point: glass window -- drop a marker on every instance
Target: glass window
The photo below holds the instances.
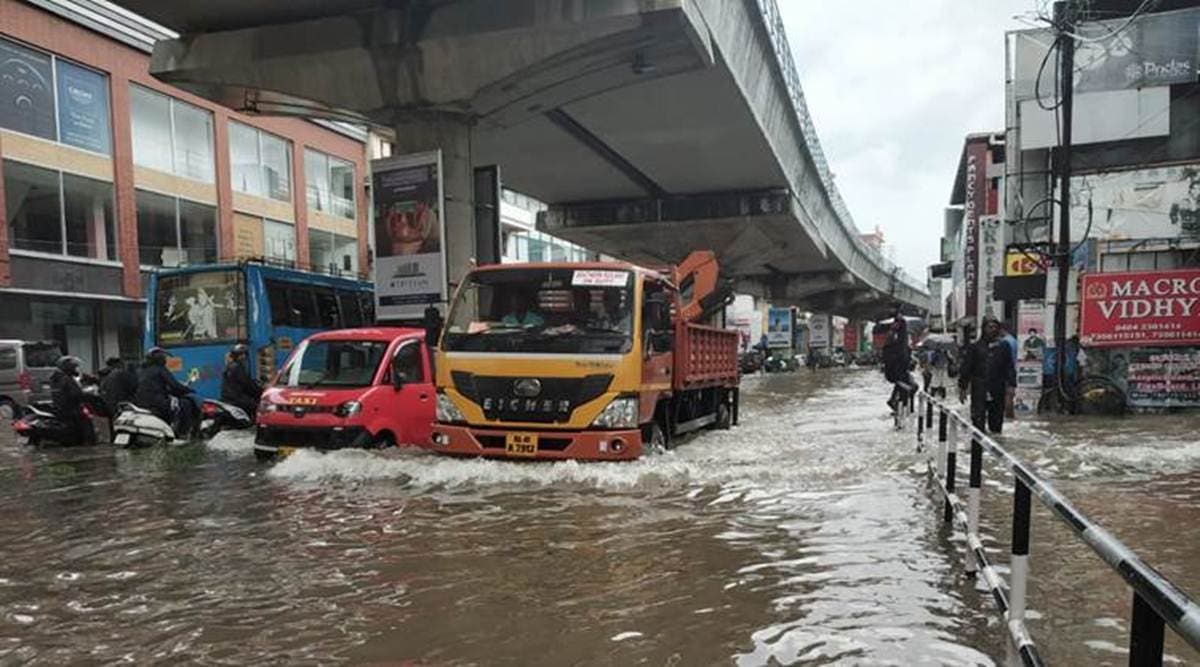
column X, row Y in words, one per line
column 345, row 249
column 8, row 358
column 279, row 241
column 205, row 307
column 198, row 232
column 304, row 310
column 341, row 187
column 33, row 208
column 26, row 93
column 244, row 168
column 367, row 299
column 408, row 362
column 151, row 128
column 91, row 226
column 277, row 167
column 320, row 251
column 351, row 309
column 316, row 173
column 193, row 142
column 277, row 296
column 158, row 243
column 82, row 107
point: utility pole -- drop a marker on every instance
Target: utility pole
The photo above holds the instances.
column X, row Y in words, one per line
column 1064, row 23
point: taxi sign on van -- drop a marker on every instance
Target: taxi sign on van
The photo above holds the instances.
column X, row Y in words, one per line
column 599, row 278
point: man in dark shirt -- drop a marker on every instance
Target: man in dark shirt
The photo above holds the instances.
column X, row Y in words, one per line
column 237, row 385
column 155, row 388
column 67, row 396
column 118, row 385
column 897, row 360
column 988, row 371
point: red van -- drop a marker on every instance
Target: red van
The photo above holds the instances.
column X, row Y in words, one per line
column 349, row 388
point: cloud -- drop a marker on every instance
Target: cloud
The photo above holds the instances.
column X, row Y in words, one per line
column 893, row 88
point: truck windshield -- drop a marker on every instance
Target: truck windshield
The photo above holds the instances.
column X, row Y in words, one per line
column 564, row 311
column 333, row 363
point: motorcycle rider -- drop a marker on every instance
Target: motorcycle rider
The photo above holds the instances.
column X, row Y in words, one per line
column 156, row 387
column 897, row 360
column 118, row 385
column 237, row 385
column 67, row 395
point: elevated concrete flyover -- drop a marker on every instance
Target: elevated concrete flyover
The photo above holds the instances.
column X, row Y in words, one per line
column 652, row 127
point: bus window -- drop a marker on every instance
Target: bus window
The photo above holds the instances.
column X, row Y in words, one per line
column 351, row 309
column 277, row 298
column 367, row 299
column 303, row 308
column 204, row 307
column 327, row 308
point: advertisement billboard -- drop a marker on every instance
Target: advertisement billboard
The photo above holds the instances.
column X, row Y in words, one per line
column 410, row 259
column 974, row 206
column 850, row 336
column 82, row 108
column 818, row 331
column 1141, row 308
column 1163, row 378
column 779, row 327
column 1162, row 202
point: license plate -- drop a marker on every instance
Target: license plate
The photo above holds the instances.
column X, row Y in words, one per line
column 121, row 439
column 521, row 444
column 284, row 452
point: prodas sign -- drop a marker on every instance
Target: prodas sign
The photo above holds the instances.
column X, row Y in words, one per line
column 1141, row 308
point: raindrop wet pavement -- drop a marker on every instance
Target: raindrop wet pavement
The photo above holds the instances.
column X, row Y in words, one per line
column 807, row 535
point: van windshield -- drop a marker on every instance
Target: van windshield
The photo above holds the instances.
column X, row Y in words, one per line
column 333, row 363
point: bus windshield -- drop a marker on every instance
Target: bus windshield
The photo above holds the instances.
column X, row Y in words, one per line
column 201, row 308
column 568, row 311
column 333, row 363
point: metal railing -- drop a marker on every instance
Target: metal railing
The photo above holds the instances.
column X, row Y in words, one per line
column 1155, row 599
column 791, row 79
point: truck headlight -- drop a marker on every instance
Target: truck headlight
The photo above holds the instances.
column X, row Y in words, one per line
column 266, row 405
column 447, row 411
column 622, row 412
column 348, row 409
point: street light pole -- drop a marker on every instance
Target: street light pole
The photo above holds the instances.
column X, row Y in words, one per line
column 1064, row 22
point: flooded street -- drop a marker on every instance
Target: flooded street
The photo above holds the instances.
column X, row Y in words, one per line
column 808, row 535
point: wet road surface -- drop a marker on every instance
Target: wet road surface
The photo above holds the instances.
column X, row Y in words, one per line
column 808, row 535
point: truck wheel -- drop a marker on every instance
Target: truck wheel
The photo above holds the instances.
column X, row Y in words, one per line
column 264, row 456
column 724, row 416
column 654, row 439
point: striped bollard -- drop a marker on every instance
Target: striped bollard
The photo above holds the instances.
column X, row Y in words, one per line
column 928, row 414
column 941, row 455
column 921, row 400
column 974, row 487
column 951, row 467
column 1020, row 551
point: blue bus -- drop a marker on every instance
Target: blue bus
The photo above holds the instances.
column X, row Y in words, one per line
column 197, row 313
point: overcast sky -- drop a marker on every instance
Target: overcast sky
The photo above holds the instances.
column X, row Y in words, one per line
column 893, row 88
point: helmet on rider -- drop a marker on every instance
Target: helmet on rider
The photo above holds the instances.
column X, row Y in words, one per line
column 69, row 364
column 157, row 356
column 239, row 350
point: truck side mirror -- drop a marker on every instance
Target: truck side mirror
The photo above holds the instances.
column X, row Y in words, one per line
column 399, row 377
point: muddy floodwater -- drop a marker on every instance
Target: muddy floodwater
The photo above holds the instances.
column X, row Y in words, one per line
column 808, row 535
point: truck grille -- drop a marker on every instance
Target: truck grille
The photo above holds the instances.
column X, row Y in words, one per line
column 555, row 402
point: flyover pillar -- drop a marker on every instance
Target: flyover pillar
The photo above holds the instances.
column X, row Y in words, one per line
column 452, row 135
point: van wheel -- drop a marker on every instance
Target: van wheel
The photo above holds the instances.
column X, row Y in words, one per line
column 654, row 439
column 384, row 441
column 8, row 409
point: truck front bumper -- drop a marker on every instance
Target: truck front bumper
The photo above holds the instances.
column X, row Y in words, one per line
column 461, row 440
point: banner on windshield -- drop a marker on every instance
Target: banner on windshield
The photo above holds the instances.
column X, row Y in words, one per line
column 410, row 255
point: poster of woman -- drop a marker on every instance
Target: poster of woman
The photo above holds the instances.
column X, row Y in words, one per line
column 410, row 264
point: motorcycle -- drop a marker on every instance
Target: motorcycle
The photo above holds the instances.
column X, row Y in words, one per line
column 40, row 422
column 777, row 363
column 137, row 427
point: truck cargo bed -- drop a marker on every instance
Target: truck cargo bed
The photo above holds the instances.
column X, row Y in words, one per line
column 705, row 356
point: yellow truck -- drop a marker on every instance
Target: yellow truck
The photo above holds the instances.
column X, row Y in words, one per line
column 592, row 361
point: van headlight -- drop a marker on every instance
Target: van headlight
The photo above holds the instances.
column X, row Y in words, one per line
column 447, row 411
column 622, row 412
column 348, row 409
